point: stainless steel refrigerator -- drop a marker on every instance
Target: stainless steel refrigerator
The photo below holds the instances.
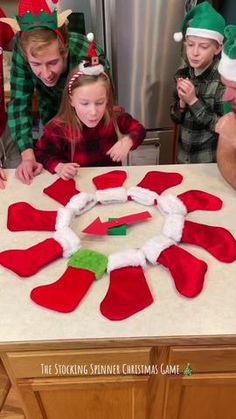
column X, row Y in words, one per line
column 137, row 36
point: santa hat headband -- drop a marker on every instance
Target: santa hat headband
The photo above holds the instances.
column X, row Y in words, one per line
column 90, row 66
column 227, row 64
column 203, row 21
column 37, row 14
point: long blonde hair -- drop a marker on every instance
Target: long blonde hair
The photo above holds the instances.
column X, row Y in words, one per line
column 40, row 38
column 67, row 114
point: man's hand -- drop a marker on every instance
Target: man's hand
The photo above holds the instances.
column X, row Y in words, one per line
column 186, row 91
column 120, row 149
column 226, row 128
column 2, row 178
column 67, row 170
column 27, row 170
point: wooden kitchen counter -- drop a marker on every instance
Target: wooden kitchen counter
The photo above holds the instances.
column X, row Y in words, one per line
column 50, row 357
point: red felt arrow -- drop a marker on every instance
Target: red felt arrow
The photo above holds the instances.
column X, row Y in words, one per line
column 98, row 227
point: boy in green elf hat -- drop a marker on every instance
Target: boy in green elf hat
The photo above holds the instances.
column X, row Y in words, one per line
column 198, row 96
column 226, row 126
column 43, row 55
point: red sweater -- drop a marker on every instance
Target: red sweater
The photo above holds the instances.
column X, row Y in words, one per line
column 90, row 150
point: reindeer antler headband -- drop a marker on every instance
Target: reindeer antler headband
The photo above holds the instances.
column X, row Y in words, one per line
column 36, row 13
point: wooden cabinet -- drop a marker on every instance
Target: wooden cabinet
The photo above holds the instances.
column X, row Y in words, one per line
column 210, row 392
column 141, row 382
column 82, row 384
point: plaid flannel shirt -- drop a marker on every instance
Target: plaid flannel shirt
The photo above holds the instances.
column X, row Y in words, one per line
column 24, row 81
column 90, row 149
column 198, row 140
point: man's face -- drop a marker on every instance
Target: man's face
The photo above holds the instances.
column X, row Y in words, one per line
column 48, row 65
column 230, row 92
column 201, row 51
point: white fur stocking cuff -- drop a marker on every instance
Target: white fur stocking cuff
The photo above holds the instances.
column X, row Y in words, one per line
column 142, row 195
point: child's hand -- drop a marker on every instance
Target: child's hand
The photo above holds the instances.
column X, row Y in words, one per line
column 186, row 91
column 120, row 150
column 67, row 170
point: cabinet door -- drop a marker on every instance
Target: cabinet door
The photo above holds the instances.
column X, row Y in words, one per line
column 210, row 391
column 85, row 398
column 201, row 396
column 82, row 384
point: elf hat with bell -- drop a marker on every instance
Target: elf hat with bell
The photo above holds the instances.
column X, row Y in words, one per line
column 227, row 64
column 90, row 64
column 204, row 21
column 37, row 13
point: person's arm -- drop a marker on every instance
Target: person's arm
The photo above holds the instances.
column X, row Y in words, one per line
column 203, row 113
column 132, row 135
column 19, row 108
column 20, row 115
column 50, row 148
column 2, row 177
column 226, row 160
column 226, row 150
column 128, row 126
column 177, row 108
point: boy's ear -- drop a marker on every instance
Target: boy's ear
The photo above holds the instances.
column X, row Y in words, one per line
column 218, row 48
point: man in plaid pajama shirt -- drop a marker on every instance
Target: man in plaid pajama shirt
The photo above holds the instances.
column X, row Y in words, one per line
column 226, row 126
column 44, row 70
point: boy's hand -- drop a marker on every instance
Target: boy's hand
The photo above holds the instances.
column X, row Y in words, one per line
column 186, row 91
column 226, row 127
column 2, row 179
column 67, row 170
column 120, row 149
column 27, row 170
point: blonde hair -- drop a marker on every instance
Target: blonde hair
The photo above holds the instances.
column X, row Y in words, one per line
column 67, row 113
column 40, row 38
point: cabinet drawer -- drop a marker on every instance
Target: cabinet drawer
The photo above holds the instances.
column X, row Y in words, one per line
column 204, row 359
column 77, row 363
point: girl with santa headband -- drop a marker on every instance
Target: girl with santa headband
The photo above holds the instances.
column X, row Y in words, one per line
column 86, row 131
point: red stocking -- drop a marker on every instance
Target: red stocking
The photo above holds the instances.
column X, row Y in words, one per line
column 27, row 262
column 187, row 271
column 153, row 183
column 65, row 294
column 188, row 201
column 22, row 216
column 61, row 190
column 216, row 240
column 110, row 187
column 128, row 291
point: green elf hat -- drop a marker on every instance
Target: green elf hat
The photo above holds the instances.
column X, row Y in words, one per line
column 37, row 13
column 227, row 64
column 204, row 21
